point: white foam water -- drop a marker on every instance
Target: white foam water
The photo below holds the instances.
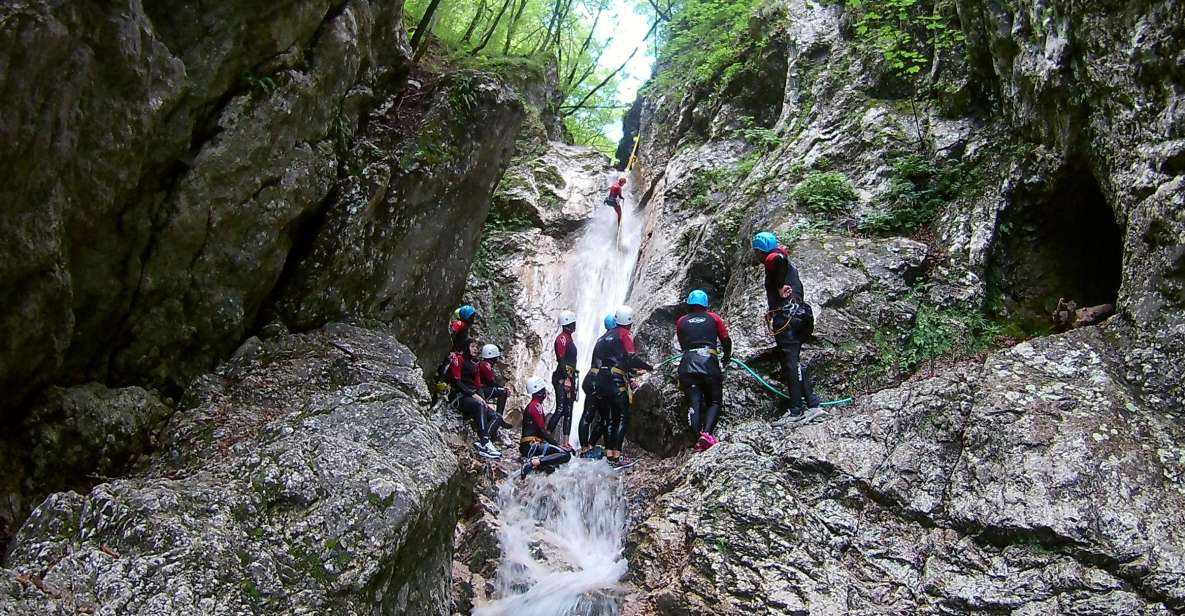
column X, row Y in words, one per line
column 562, row 537
column 562, row 534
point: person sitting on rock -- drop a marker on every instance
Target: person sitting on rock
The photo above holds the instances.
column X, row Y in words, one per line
column 595, row 417
column 564, row 378
column 614, row 198
column 618, row 361
column 537, row 445
column 790, row 321
column 467, row 386
column 460, row 331
column 702, row 336
column 492, row 390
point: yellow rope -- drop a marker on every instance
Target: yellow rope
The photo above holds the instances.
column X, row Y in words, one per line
column 633, row 155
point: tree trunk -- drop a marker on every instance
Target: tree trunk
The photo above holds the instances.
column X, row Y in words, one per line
column 481, row 10
column 419, row 40
column 485, row 39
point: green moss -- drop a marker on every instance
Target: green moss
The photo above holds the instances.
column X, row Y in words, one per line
column 919, row 189
column 947, row 333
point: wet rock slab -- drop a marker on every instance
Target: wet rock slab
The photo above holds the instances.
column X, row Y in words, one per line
column 302, row 477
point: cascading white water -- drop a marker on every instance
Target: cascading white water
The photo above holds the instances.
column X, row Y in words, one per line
column 562, row 534
column 598, row 275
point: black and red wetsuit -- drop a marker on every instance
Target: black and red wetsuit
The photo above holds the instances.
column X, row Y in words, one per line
column 614, row 199
column 537, row 440
column 467, row 383
column 702, row 336
column 491, row 390
column 780, row 274
column 460, row 331
column 565, row 374
column 617, row 359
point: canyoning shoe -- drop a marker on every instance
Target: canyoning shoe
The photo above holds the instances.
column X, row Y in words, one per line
column 596, row 453
column 493, row 451
column 711, row 440
column 703, row 443
column 621, row 462
column 487, row 450
column 813, row 414
column 793, row 417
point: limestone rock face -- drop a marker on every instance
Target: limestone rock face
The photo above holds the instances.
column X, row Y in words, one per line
column 1026, row 482
column 73, row 433
column 303, row 477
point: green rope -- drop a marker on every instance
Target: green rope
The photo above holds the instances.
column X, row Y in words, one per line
column 764, row 383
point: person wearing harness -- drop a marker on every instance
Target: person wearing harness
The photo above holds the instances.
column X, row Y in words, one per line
column 595, row 417
column 460, row 330
column 565, row 377
column 618, row 361
column 614, row 198
column 537, row 444
column 491, row 389
column 702, row 337
column 466, row 379
column 790, row 320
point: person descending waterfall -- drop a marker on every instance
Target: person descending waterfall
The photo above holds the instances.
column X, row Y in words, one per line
column 702, row 337
column 614, row 198
column 537, row 445
column 595, row 417
column 564, row 378
column 618, row 362
column 460, row 331
column 791, row 321
column 491, row 389
column 466, row 379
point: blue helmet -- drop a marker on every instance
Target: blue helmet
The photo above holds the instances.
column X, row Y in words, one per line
column 466, row 312
column 610, row 321
column 697, row 298
column 765, row 241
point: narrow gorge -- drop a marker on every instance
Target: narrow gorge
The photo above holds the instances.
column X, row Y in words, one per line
column 233, row 236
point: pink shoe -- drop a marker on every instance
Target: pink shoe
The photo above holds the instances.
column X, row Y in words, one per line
column 712, row 440
column 702, row 443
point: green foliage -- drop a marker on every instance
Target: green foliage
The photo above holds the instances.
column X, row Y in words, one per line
column 259, row 86
column 825, row 192
column 804, row 230
column 764, row 139
column 906, row 32
column 705, row 41
column 918, row 190
column 937, row 333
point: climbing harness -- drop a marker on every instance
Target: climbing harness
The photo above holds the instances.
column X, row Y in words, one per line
column 764, row 383
column 796, row 314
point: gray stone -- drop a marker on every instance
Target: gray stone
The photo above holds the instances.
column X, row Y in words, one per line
column 306, row 479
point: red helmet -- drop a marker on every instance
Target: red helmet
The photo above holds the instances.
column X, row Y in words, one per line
column 621, row 180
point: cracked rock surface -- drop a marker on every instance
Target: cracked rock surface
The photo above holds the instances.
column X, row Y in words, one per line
column 303, row 477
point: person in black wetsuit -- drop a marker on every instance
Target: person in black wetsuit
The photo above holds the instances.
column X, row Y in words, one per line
column 618, row 362
column 702, row 336
column 537, row 445
column 595, row 417
column 491, row 390
column 467, row 386
column 790, row 324
column 564, row 378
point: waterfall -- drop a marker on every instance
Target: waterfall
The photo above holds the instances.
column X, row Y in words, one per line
column 562, row 534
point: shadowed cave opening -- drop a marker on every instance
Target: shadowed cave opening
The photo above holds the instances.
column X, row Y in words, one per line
column 1060, row 242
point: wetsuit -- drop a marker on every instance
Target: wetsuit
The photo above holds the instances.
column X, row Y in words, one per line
column 538, row 441
column 780, row 273
column 595, row 417
column 460, row 330
column 491, row 390
column 614, row 199
column 701, row 335
column 466, row 379
column 615, row 355
column 565, row 371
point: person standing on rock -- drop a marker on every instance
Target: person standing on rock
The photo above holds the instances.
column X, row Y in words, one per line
column 702, row 337
column 595, row 417
column 565, row 377
column 491, row 389
column 466, row 379
column 537, row 445
column 618, row 361
column 791, row 321
column 614, row 198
